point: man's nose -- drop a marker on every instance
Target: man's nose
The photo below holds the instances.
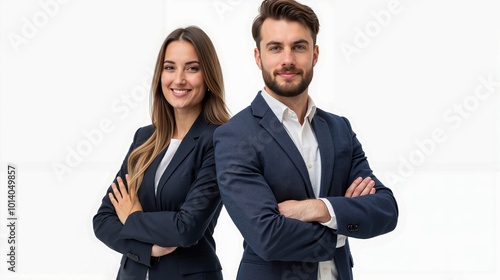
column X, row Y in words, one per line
column 288, row 58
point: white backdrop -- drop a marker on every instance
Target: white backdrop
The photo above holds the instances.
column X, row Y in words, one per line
column 417, row 79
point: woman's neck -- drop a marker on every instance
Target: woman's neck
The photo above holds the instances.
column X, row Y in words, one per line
column 184, row 119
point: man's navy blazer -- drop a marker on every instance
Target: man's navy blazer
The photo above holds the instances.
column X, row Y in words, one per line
column 259, row 166
column 183, row 213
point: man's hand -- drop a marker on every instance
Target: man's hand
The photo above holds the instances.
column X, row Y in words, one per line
column 309, row 210
column 122, row 201
column 361, row 187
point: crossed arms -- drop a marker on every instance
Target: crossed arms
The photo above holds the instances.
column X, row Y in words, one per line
column 123, row 226
column 290, row 230
column 315, row 210
column 126, row 204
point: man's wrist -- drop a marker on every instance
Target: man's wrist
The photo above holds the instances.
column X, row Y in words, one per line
column 332, row 223
column 320, row 212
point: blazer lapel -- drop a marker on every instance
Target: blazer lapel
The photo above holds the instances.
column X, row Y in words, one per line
column 326, row 149
column 186, row 146
column 148, row 182
column 273, row 126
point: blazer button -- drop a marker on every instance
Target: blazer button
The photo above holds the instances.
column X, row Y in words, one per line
column 352, row 228
column 133, row 257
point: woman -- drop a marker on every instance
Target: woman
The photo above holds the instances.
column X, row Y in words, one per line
column 161, row 210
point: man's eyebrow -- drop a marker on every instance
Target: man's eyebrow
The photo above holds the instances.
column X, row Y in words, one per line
column 300, row 41
column 273, row 43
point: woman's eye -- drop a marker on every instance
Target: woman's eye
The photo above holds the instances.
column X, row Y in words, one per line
column 168, row 67
column 193, row 68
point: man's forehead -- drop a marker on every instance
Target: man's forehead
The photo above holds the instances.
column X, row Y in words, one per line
column 275, row 29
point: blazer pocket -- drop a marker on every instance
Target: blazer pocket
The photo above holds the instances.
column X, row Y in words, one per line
column 199, row 263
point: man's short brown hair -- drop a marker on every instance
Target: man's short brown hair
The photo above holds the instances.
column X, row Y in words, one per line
column 289, row 10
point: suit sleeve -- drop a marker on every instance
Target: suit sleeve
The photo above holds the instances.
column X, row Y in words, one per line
column 107, row 226
column 185, row 227
column 252, row 206
column 369, row 215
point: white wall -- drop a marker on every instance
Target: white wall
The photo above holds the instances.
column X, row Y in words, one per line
column 412, row 77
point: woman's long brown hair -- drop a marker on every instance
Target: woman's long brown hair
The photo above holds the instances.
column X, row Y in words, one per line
column 162, row 114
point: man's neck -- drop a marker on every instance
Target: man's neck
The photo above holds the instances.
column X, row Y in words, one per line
column 297, row 103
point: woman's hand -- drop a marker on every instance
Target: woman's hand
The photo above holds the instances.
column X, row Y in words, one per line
column 124, row 204
column 158, row 251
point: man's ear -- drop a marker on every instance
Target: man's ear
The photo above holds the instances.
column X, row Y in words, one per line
column 256, row 54
column 315, row 55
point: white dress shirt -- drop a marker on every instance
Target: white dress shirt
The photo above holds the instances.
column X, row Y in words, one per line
column 305, row 140
column 167, row 158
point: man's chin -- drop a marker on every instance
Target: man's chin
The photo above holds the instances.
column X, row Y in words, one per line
column 287, row 92
column 289, row 84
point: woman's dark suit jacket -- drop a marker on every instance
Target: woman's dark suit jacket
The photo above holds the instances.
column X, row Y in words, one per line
column 183, row 213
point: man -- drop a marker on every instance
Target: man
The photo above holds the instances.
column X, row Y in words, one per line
column 290, row 174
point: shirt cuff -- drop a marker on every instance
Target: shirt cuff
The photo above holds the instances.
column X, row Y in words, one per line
column 333, row 221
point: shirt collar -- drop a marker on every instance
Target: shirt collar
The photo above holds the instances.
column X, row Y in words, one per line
column 280, row 109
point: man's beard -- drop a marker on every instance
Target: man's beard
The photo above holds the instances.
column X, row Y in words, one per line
column 289, row 90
